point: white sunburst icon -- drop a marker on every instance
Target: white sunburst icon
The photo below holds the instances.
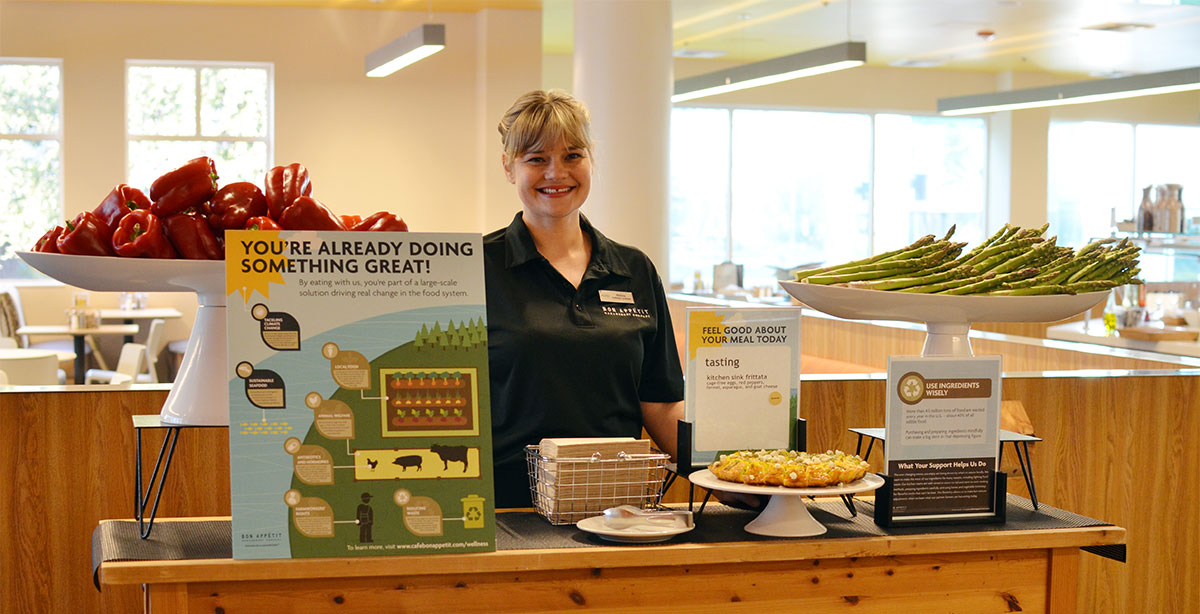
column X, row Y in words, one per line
column 911, row 388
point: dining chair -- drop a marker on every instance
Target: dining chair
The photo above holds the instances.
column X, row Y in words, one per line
column 31, row 371
column 154, row 345
column 129, row 363
column 12, row 317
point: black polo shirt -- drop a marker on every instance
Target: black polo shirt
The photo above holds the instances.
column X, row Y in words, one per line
column 569, row 362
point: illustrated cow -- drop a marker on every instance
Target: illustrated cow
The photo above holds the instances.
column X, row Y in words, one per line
column 450, row 453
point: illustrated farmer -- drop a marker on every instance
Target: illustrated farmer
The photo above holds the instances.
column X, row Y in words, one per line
column 365, row 517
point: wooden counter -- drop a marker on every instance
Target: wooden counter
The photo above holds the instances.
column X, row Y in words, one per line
column 1118, row 446
column 995, row 571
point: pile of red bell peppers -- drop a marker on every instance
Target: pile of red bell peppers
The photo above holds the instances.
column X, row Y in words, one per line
column 186, row 215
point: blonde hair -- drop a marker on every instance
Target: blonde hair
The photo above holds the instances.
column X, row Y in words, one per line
column 542, row 117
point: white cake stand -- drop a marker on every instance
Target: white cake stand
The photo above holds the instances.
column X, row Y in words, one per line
column 198, row 396
column 947, row 318
column 786, row 514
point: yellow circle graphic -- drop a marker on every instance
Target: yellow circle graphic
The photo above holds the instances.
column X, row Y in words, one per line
column 775, row 398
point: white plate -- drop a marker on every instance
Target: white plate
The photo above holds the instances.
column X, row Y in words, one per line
column 116, row 274
column 637, row 534
column 859, row 304
column 706, row 479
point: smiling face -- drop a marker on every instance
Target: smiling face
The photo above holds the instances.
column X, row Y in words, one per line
column 553, row 181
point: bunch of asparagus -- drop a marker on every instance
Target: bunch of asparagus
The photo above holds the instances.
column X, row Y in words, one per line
column 1014, row 261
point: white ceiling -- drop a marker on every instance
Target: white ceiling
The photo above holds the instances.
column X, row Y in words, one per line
column 1041, row 36
column 1028, row 35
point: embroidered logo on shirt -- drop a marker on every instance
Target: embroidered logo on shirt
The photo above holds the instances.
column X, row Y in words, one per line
column 615, row 296
column 627, row 312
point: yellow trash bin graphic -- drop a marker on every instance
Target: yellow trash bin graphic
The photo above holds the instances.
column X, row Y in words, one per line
column 473, row 512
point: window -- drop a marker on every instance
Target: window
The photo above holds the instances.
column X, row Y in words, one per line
column 699, row 184
column 801, row 189
column 929, row 176
column 776, row 189
column 179, row 111
column 1096, row 174
column 1089, row 176
column 30, row 157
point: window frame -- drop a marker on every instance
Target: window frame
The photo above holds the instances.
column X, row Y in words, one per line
column 268, row 139
column 59, row 136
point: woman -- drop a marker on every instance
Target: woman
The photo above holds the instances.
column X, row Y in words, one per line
column 579, row 338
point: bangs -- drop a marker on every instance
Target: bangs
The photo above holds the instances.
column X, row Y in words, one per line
column 542, row 126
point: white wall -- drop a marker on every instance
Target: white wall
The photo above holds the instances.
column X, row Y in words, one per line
column 409, row 143
column 421, row 143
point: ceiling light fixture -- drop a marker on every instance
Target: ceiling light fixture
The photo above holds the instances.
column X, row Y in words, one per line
column 1169, row 82
column 775, row 70
column 414, row 46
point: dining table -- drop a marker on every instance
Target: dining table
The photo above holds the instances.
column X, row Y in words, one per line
column 79, row 335
column 132, row 316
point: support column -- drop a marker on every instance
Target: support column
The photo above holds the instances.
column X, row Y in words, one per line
column 509, row 61
column 623, row 73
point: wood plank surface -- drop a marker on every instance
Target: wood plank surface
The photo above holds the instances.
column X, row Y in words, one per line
column 970, row 582
column 869, row 344
column 66, row 462
column 1117, row 448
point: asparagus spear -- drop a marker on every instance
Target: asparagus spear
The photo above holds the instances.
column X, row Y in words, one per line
column 1043, row 289
column 925, row 240
column 987, row 284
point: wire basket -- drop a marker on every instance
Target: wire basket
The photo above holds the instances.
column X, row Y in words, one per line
column 567, row 490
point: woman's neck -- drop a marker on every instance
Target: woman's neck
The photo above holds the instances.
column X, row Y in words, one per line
column 563, row 243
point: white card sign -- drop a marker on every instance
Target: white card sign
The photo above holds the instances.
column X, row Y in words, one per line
column 943, row 429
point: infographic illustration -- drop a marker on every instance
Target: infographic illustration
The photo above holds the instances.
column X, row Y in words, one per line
column 359, row 405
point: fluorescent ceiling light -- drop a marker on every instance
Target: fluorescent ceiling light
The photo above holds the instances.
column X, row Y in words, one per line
column 1169, row 82
column 417, row 45
column 775, row 70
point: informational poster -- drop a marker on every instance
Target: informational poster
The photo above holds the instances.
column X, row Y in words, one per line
column 359, row 419
column 743, row 378
column 943, row 429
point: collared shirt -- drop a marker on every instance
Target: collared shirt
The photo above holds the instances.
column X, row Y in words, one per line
column 568, row 362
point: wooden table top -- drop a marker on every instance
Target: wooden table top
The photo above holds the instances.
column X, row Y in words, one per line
column 30, row 353
column 150, row 313
column 63, row 329
column 601, row 557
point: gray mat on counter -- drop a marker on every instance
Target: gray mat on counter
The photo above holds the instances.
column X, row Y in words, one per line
column 118, row 540
column 719, row 523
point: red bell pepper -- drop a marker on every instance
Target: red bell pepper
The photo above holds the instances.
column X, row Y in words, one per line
column 382, row 221
column 306, row 213
column 119, row 202
column 192, row 237
column 86, row 235
column 262, row 222
column 187, row 186
column 350, row 221
column 284, row 184
column 140, row 235
column 49, row 241
column 233, row 204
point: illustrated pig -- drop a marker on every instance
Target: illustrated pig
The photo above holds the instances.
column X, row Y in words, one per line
column 412, row 460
